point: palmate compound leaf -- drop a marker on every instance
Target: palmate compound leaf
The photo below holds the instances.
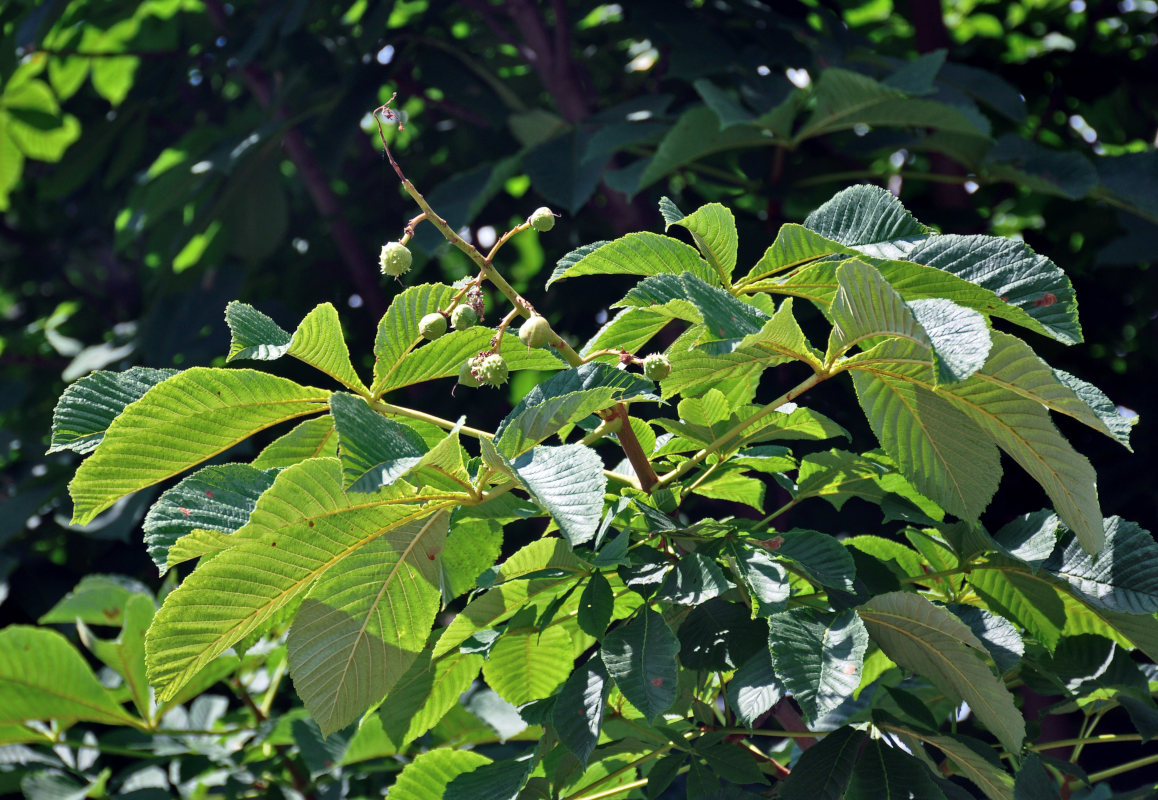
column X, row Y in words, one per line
column 713, row 228
column 1006, row 400
column 43, row 677
column 640, row 656
column 318, row 341
column 639, row 253
column 866, row 308
column 817, row 657
column 363, row 624
column 301, row 527
column 181, row 422
column 939, row 647
column 564, row 398
column 88, row 406
column 218, row 498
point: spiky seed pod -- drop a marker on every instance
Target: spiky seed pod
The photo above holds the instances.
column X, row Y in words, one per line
column 543, row 219
column 463, row 317
column 491, row 370
column 395, row 259
column 432, row 325
column 656, row 367
column 535, row 332
column 466, row 376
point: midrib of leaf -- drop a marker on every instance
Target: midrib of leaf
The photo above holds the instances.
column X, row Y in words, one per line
column 403, row 558
column 982, row 780
column 39, row 688
column 385, row 379
column 879, row 618
column 267, row 608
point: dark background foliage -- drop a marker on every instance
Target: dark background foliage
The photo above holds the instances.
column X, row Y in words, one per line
column 185, row 153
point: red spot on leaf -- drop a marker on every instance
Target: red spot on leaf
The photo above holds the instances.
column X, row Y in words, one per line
column 849, row 669
column 657, row 681
column 184, row 510
column 209, row 493
column 1005, row 297
column 111, row 613
column 273, row 544
column 773, row 543
column 1047, row 299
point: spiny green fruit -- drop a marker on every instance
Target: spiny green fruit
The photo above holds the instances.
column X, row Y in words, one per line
column 463, row 317
column 432, row 325
column 465, row 376
column 491, row 370
column 535, row 332
column 395, row 259
column 543, row 219
column 656, row 367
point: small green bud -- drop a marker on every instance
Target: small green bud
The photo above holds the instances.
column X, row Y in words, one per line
column 656, row 367
column 432, row 325
column 491, row 370
column 463, row 317
column 535, row 332
column 395, row 259
column 465, row 376
column 543, row 219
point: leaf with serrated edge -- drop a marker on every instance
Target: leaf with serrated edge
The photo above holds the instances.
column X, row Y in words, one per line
column 714, row 229
column 375, row 451
column 217, row 498
column 428, row 775
column 318, row 341
column 823, row 771
column 361, row 626
column 314, row 438
column 868, row 219
column 936, row 645
column 527, row 664
column 628, row 330
column 43, row 677
column 794, row 247
column 88, row 406
column 639, row 253
column 181, row 422
column 578, row 712
column 996, row 783
column 301, row 527
column 1122, row 577
column 1018, row 424
column 568, row 482
column 818, row 657
column 564, row 398
column 641, row 657
column 398, row 329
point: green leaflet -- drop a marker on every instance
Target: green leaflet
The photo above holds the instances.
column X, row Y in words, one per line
column 314, row 438
column 564, row 398
column 361, row 626
column 429, row 773
column 87, row 407
column 181, row 422
column 375, row 451
column 568, row 482
column 817, row 657
column 301, row 527
column 795, row 246
column 398, row 329
column 1011, row 410
column 866, row 309
column 713, row 228
column 947, row 456
column 318, row 341
column 526, row 664
column 969, row 756
column 218, row 498
column 935, row 644
column 444, row 357
column 688, row 297
column 1123, row 577
column 125, row 655
column 43, row 677
column 578, row 712
column 628, row 330
column 779, row 340
column 640, row 656
column 845, row 99
column 97, row 600
column 837, row 475
column 868, row 219
column 639, row 253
